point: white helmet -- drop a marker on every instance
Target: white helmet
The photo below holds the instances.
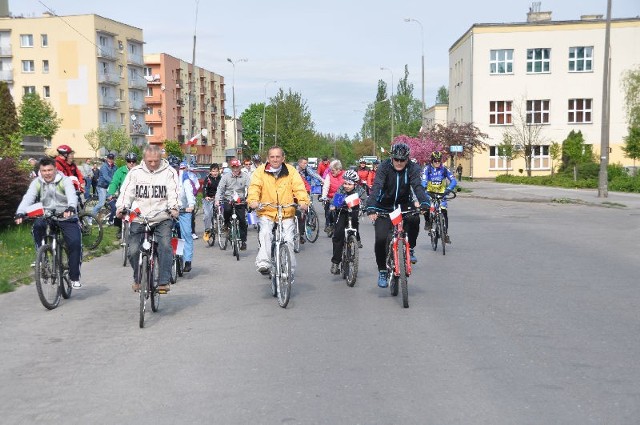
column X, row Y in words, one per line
column 225, row 165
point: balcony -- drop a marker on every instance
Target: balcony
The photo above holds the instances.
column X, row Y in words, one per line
column 108, row 102
column 137, row 105
column 109, row 78
column 5, row 51
column 179, row 83
column 153, row 99
column 137, row 83
column 109, row 124
column 6, row 75
column 138, row 128
column 107, row 53
column 134, row 59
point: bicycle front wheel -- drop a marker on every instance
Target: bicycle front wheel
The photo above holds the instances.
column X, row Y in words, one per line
column 296, row 236
column 47, row 279
column 143, row 276
column 213, row 233
column 222, row 238
column 155, row 278
column 235, row 239
column 91, row 230
column 434, row 232
column 65, row 282
column 402, row 269
column 311, row 225
column 351, row 272
column 283, row 275
column 441, row 232
column 391, row 267
column 124, row 244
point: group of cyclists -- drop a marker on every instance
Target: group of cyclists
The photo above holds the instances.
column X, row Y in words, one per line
column 160, row 190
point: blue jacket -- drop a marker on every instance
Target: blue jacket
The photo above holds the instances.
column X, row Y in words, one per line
column 106, row 174
column 433, row 179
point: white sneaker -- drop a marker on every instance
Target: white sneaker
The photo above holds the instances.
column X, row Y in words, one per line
column 194, row 236
column 76, row 284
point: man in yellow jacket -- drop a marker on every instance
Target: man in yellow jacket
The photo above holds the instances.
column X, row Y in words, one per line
column 277, row 183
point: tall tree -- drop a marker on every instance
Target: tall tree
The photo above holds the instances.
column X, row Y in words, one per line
column 37, row 117
column 9, row 124
column 525, row 132
column 443, row 95
column 251, row 119
column 408, row 110
column 631, row 87
column 631, row 146
column 289, row 123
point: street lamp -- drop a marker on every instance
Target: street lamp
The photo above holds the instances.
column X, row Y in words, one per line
column 233, row 89
column 264, row 112
column 422, row 40
column 382, row 68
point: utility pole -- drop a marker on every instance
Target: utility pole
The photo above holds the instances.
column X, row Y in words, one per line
column 603, row 191
column 192, row 83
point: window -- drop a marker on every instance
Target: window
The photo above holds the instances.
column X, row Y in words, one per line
column 103, row 41
column 149, row 130
column 104, row 117
column 538, row 60
column 28, row 89
column 537, row 111
column 46, row 92
column 500, row 112
column 501, row 62
column 540, row 159
column 26, row 40
column 44, row 40
column 149, row 91
column 149, row 111
column 497, row 161
column 147, row 71
column 580, row 59
column 28, row 66
column 580, row 110
column 45, row 66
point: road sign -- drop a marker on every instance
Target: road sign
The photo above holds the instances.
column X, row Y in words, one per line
column 456, row 148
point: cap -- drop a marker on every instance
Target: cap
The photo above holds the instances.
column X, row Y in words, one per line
column 234, row 163
column 111, row 156
column 183, row 165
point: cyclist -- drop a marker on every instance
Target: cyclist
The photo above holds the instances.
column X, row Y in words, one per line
column 233, row 187
column 65, row 164
column 114, row 187
column 247, row 166
column 154, row 185
column 391, row 189
column 56, row 192
column 309, row 176
column 372, row 173
column 186, row 174
column 332, row 182
column 323, row 166
column 107, row 170
column 209, row 189
column 187, row 203
column 349, row 186
column 363, row 173
column 433, row 177
column 257, row 161
column 275, row 182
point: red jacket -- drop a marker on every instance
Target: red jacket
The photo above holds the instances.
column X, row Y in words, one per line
column 363, row 175
column 70, row 170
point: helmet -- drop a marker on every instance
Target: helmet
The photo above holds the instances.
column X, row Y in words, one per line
column 235, row 163
column 174, row 161
column 436, row 156
column 255, row 158
column 350, row 176
column 131, row 157
column 64, row 150
column 183, row 165
column 225, row 165
column 376, row 162
column 400, row 151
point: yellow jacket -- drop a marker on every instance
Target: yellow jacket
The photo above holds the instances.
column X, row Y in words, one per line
column 265, row 188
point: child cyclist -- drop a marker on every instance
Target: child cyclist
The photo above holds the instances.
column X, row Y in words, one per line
column 349, row 187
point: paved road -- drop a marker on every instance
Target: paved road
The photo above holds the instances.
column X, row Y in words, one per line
column 531, row 318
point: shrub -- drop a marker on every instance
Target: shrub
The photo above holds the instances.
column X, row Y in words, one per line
column 14, row 182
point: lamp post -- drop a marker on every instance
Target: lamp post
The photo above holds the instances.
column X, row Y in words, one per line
column 382, row 68
column 264, row 112
column 422, row 40
column 233, row 90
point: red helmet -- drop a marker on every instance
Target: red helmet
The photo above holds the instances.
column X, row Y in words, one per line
column 235, row 163
column 64, row 150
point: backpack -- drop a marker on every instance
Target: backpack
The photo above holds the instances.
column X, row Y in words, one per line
column 59, row 188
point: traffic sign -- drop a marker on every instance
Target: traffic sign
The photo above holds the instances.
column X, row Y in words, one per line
column 456, row 148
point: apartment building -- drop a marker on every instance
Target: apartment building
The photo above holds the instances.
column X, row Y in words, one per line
column 89, row 68
column 543, row 72
column 171, row 82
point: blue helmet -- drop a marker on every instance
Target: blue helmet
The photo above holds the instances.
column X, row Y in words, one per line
column 174, row 161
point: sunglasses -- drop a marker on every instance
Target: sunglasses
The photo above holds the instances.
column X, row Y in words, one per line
column 132, row 162
column 400, row 160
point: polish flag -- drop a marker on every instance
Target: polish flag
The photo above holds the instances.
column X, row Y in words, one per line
column 193, row 141
column 236, row 197
column 396, row 216
column 352, row 200
column 178, row 246
column 35, row 210
column 133, row 213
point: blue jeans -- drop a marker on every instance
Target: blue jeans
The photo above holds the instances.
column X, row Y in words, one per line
column 87, row 188
column 162, row 231
column 102, row 198
column 185, row 231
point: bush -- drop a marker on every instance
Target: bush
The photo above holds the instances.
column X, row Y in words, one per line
column 14, row 182
column 625, row 184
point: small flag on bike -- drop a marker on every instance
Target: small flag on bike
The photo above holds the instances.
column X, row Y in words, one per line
column 396, row 216
column 178, row 246
column 133, row 214
column 236, row 197
column 352, row 200
column 35, row 210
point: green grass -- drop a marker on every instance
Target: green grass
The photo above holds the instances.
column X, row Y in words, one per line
column 17, row 252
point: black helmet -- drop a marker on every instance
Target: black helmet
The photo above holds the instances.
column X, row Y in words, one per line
column 174, row 161
column 131, row 157
column 400, row 151
column 256, row 158
column 436, row 156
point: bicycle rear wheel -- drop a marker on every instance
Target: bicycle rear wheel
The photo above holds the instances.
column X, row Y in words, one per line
column 91, row 230
column 391, row 266
column 47, row 278
column 441, row 232
column 65, row 282
column 123, row 242
column 213, row 234
column 351, row 272
column 173, row 278
column 155, row 278
column 311, row 225
column 296, row 236
column 143, row 276
column 283, row 275
column 402, row 269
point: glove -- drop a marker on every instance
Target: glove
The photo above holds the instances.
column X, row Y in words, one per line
column 70, row 209
column 424, row 207
column 446, row 192
column 20, row 215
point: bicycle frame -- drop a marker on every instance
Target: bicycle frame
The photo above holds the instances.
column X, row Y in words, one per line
column 400, row 237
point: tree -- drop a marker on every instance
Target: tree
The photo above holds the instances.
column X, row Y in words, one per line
column 37, row 117
column 454, row 133
column 631, row 146
column 93, row 139
column 421, row 149
column 251, row 119
column 112, row 139
column 526, row 132
column 443, row 95
column 407, row 109
column 172, row 147
column 631, row 87
column 289, row 124
column 9, row 124
column 555, row 151
column 575, row 151
column 507, row 149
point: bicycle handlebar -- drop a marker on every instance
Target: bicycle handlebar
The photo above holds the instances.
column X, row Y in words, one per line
column 439, row 195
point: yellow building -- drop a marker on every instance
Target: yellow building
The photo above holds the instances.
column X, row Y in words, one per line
column 89, row 68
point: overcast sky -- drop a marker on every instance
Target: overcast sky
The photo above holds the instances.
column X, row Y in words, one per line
column 329, row 51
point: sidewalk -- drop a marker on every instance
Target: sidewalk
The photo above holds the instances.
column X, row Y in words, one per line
column 527, row 193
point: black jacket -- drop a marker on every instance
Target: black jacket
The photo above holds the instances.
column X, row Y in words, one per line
column 210, row 185
column 392, row 188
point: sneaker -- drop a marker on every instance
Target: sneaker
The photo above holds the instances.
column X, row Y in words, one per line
column 263, row 270
column 187, row 266
column 382, row 279
column 194, row 236
column 243, row 246
column 76, row 284
column 33, row 264
column 206, row 235
column 301, row 240
column 163, row 289
column 360, row 244
column 447, row 239
column 135, row 287
column 412, row 256
column 335, row 268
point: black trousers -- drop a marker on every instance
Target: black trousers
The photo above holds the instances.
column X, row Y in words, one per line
column 241, row 212
column 384, row 228
column 338, row 231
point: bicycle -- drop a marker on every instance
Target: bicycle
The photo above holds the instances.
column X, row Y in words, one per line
column 52, row 264
column 438, row 228
column 90, row 226
column 213, row 229
column 280, row 274
column 398, row 258
column 220, row 234
column 349, row 263
column 311, row 224
column 124, row 243
column 234, row 229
